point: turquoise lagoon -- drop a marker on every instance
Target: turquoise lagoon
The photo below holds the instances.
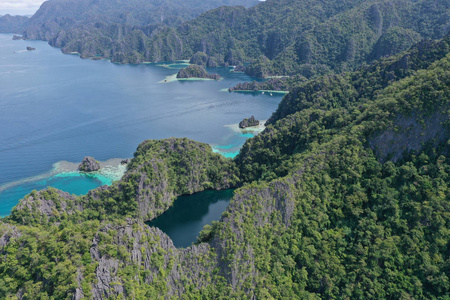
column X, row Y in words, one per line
column 57, row 108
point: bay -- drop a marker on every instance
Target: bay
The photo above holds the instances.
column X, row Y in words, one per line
column 56, row 107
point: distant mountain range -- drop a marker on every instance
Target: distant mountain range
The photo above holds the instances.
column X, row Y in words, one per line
column 282, row 37
column 56, row 15
column 12, row 24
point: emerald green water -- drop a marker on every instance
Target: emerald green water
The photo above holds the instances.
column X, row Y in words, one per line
column 186, row 218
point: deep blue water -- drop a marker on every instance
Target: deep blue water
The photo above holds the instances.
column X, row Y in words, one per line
column 56, row 107
column 186, row 218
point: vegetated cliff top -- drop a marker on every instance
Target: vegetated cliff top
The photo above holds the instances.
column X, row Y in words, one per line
column 283, row 37
column 340, row 201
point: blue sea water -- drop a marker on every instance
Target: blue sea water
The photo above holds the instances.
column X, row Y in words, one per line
column 56, row 107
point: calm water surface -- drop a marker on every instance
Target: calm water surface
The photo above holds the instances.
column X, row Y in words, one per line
column 186, row 218
column 56, row 107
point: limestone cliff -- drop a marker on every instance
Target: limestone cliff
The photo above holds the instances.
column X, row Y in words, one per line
column 196, row 71
column 248, row 122
column 159, row 172
column 89, row 164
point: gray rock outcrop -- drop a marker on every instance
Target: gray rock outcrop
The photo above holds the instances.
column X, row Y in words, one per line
column 43, row 206
column 248, row 122
column 7, row 232
column 89, row 164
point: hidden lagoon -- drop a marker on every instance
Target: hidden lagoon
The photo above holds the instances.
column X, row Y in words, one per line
column 57, row 108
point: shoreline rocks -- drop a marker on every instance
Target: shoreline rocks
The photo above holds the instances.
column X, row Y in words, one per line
column 89, row 164
column 248, row 122
column 18, row 37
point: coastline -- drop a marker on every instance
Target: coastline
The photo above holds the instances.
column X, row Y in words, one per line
column 173, row 78
column 232, row 150
column 112, row 170
column 259, row 91
column 253, row 129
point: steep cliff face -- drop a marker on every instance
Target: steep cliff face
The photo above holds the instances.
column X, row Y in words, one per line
column 169, row 168
column 151, row 257
column 151, row 254
column 120, row 259
column 409, row 134
column 159, row 172
column 271, row 205
column 117, row 255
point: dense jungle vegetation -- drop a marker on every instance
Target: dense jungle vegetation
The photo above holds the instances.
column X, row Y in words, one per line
column 283, row 37
column 344, row 195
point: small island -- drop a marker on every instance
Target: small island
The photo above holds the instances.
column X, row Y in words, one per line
column 89, row 164
column 196, row 71
column 30, row 48
column 248, row 122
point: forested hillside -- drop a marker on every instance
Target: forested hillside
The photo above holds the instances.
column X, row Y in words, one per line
column 55, row 16
column 277, row 37
column 344, row 195
column 282, row 37
column 12, row 24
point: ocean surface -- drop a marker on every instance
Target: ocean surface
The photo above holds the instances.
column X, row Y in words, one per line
column 57, row 108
